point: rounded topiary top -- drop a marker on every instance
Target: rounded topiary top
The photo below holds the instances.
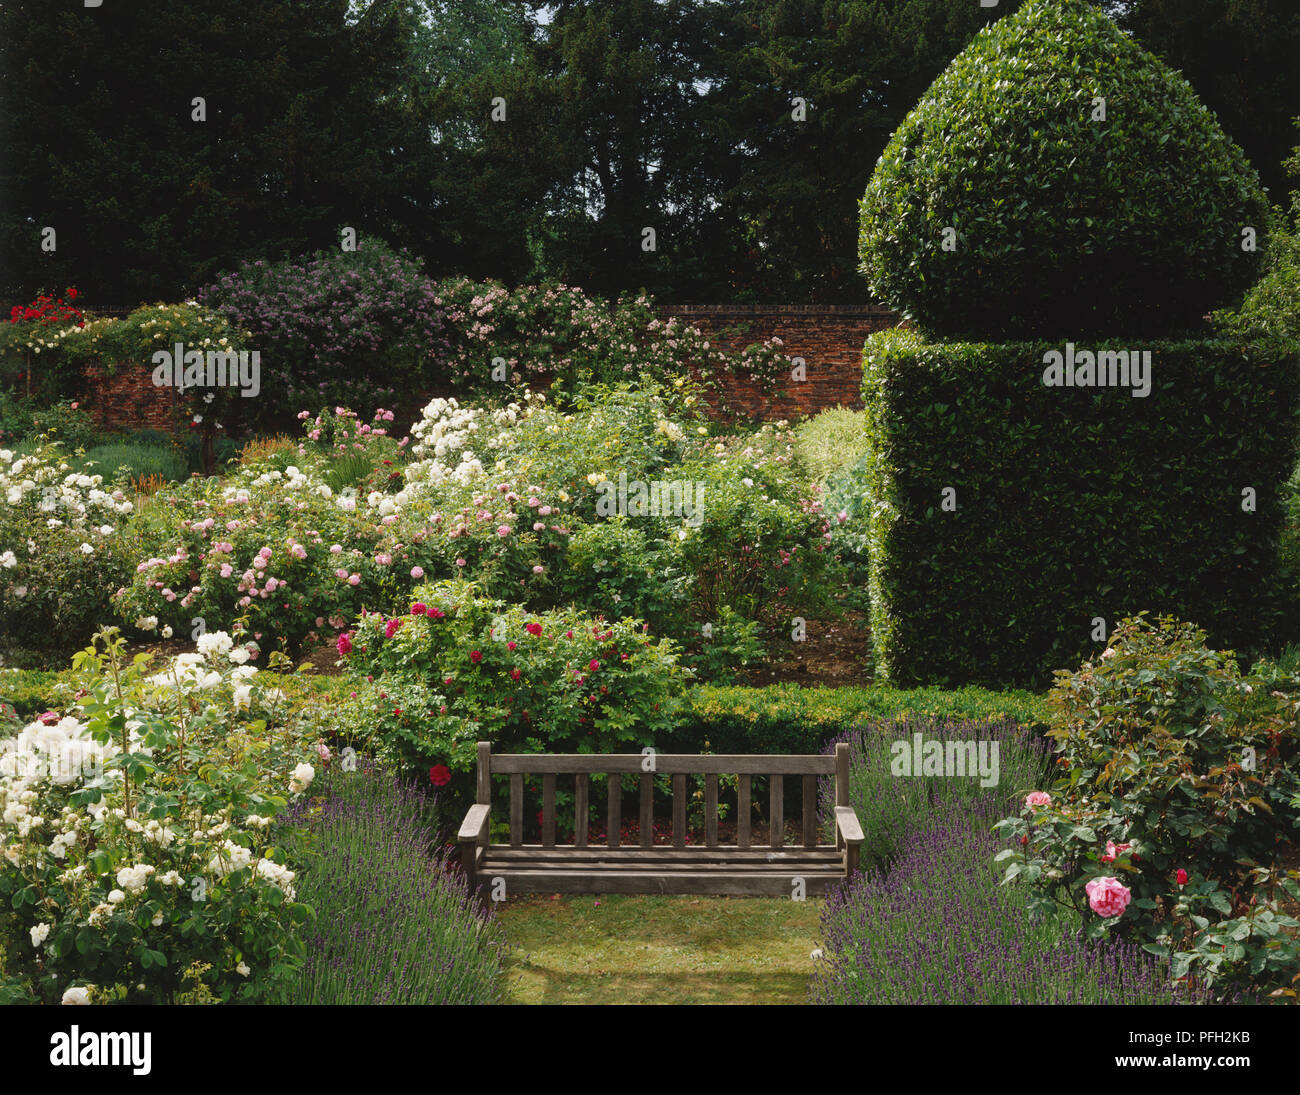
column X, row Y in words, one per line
column 1069, row 215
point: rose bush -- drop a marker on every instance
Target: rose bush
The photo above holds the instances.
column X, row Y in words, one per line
column 554, row 681
column 62, row 547
column 1175, row 796
column 138, row 835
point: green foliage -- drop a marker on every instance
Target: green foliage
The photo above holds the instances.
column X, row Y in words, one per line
column 1065, row 223
column 312, row 108
column 64, row 421
column 1169, row 760
column 130, row 461
column 30, row 692
column 1122, row 505
column 786, row 718
column 830, row 443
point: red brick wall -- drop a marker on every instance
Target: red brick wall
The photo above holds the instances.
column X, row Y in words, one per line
column 829, row 338
column 127, row 399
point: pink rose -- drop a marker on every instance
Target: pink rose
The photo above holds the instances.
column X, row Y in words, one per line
column 341, row 574
column 1113, row 850
column 1038, row 798
column 354, row 579
column 1108, row 896
column 503, row 530
column 417, row 572
column 345, row 645
column 1181, row 877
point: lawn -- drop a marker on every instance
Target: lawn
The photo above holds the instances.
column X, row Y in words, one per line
column 633, row 949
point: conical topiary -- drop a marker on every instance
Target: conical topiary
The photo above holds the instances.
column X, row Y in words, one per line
column 1087, row 188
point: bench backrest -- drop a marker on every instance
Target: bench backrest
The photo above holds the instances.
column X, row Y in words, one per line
column 677, row 765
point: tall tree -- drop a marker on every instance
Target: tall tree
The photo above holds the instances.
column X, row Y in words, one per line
column 150, row 193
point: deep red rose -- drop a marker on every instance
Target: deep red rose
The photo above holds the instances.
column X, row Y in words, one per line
column 475, row 656
column 440, row 775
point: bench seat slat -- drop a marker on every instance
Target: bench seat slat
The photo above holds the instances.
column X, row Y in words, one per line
column 533, row 853
column 734, row 883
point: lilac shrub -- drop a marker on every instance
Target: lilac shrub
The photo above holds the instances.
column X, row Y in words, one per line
column 350, row 327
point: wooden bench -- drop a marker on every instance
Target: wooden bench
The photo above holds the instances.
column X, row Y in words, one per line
column 645, row 867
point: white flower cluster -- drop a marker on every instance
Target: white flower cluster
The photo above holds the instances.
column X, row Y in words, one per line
column 442, row 449
column 61, row 752
column 41, row 484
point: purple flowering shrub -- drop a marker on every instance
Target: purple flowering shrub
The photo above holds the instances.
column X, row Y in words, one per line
column 926, row 921
column 350, row 327
column 937, row 929
column 394, row 923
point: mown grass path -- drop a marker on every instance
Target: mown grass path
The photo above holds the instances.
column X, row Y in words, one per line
column 632, row 949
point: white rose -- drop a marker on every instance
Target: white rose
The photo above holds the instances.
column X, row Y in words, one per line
column 242, row 970
column 38, row 933
column 77, row 995
column 116, row 897
column 302, row 777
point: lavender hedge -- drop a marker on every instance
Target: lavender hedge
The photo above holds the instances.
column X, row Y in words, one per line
column 392, row 925
column 927, row 921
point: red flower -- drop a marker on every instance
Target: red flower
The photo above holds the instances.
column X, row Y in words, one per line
column 514, row 674
column 419, row 608
column 1182, row 877
column 390, row 628
column 440, row 775
column 533, row 628
column 345, row 644
column 593, row 665
column 475, row 656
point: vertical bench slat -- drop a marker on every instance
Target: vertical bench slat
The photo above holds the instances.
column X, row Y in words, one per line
column 647, row 817
column 810, row 812
column 776, row 812
column 711, row 810
column 614, row 814
column 743, row 811
column 484, row 773
column 580, row 811
column 841, row 784
column 516, row 809
column 679, row 810
column 548, row 810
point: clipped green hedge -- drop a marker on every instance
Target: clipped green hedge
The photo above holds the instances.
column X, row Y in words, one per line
column 788, row 718
column 1072, row 503
column 1064, row 221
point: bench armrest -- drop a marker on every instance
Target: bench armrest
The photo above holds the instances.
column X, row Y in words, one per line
column 474, row 828
column 846, row 823
column 848, row 826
